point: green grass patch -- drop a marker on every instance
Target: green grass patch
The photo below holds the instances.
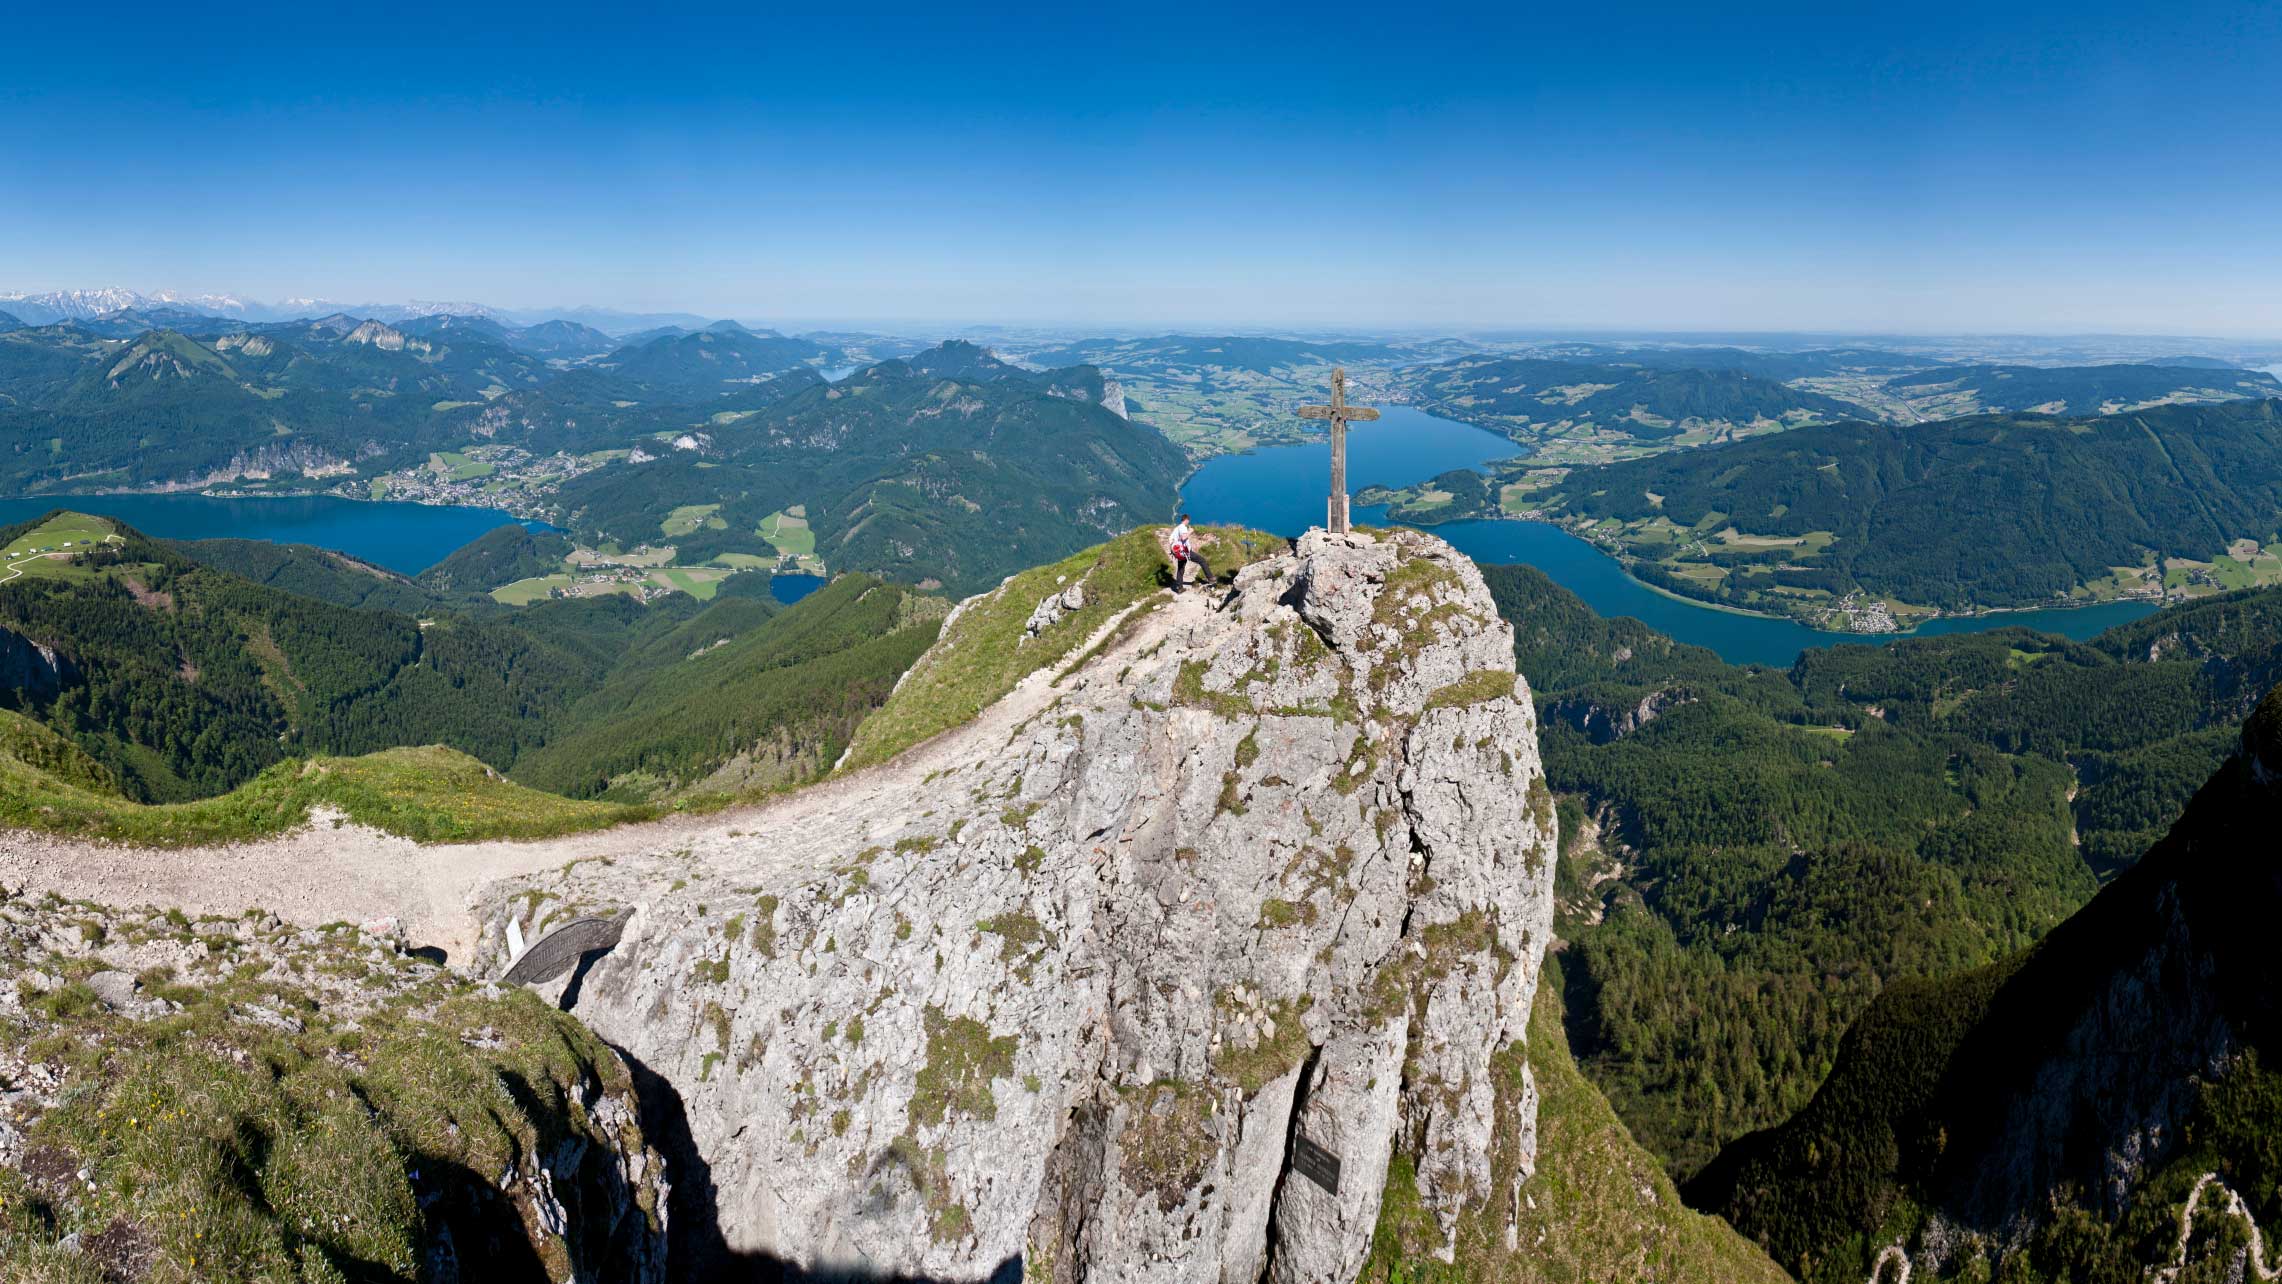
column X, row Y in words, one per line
column 700, row 582
column 689, row 518
column 983, row 654
column 245, row 1151
column 535, row 589
column 788, row 534
column 52, row 547
column 429, row 794
column 1478, row 687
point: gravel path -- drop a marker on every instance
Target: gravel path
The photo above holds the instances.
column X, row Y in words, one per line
column 334, row 871
column 2234, row 1208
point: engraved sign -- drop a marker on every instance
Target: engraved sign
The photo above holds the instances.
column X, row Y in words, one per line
column 1315, row 1163
column 553, row 954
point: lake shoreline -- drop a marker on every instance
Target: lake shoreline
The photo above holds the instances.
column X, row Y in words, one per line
column 1281, row 488
column 396, row 535
column 1978, row 613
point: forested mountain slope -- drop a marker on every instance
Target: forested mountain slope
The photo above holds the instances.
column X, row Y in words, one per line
column 320, row 573
column 951, row 468
column 314, row 400
column 498, row 556
column 1750, row 856
column 961, row 479
column 662, row 723
column 189, row 680
column 2050, row 1117
column 1989, row 511
column 180, row 680
column 698, row 367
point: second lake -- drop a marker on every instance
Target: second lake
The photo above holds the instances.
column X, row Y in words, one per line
column 1281, row 489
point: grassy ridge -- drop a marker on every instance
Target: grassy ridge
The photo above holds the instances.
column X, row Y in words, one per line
column 371, row 1112
column 983, row 653
column 429, row 794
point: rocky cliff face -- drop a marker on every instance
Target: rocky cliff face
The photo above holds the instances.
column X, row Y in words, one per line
column 264, row 463
column 32, row 670
column 1148, row 973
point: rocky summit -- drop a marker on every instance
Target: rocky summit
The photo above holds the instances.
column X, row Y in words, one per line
column 1149, row 972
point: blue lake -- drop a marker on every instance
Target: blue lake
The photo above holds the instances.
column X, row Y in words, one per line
column 1281, row 489
column 405, row 538
column 791, row 588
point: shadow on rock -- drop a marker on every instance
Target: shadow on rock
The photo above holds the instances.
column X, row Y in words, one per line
column 697, row 1250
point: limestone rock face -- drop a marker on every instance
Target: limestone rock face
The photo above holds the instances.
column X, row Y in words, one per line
column 32, row 668
column 1151, row 984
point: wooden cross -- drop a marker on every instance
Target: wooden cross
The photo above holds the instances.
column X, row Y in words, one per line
column 1340, row 414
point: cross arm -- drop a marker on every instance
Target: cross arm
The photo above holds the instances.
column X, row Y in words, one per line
column 1315, row 412
column 1360, row 414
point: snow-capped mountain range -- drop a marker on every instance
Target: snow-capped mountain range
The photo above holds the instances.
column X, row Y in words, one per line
column 51, row 306
column 48, row 307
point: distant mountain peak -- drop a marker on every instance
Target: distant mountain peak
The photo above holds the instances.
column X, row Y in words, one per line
column 428, row 308
column 387, row 338
column 959, row 359
column 165, row 354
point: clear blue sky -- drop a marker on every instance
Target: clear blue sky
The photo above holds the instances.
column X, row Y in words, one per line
column 2054, row 167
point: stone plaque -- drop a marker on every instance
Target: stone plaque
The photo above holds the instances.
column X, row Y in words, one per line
column 1315, row 1163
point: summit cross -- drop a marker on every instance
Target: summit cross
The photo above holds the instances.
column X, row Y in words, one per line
column 1340, row 414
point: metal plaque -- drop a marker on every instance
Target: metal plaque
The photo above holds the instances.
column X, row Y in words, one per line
column 553, row 954
column 1315, row 1163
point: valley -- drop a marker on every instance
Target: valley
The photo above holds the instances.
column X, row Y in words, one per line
column 2030, row 771
column 685, row 652
column 1496, row 644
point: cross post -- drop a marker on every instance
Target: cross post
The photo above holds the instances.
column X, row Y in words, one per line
column 1340, row 414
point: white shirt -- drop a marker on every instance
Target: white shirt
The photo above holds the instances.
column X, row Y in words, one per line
column 1183, row 535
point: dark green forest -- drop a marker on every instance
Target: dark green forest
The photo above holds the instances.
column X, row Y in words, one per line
column 1988, row 511
column 1785, row 844
column 186, row 680
column 801, row 684
column 2106, row 1023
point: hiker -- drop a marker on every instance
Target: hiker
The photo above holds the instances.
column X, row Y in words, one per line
column 1183, row 542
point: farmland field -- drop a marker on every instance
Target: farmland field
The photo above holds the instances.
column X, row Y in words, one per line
column 525, row 592
column 686, row 519
column 789, row 533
